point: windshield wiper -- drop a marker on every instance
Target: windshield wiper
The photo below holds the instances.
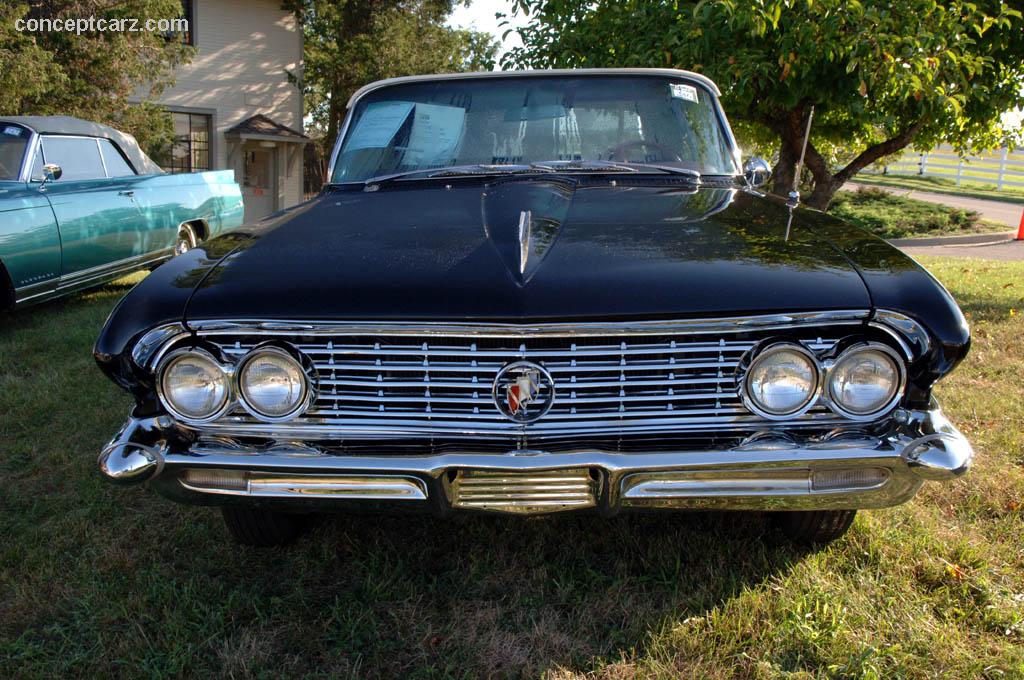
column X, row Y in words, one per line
column 374, row 183
column 583, row 166
column 540, row 167
column 615, row 166
column 672, row 170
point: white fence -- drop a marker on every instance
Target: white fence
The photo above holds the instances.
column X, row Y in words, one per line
column 1000, row 169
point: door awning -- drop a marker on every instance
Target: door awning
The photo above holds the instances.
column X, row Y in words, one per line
column 262, row 128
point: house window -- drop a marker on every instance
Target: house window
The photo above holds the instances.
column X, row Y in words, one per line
column 191, row 150
column 188, row 13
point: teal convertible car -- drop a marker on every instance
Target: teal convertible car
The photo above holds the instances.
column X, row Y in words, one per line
column 81, row 204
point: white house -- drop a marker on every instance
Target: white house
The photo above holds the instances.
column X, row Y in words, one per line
column 237, row 105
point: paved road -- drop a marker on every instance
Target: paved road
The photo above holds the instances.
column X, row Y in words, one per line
column 1007, row 213
column 1002, row 250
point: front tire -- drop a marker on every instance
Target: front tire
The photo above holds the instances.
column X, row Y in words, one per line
column 261, row 528
column 815, row 527
column 186, row 241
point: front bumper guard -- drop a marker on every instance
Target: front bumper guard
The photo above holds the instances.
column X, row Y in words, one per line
column 769, row 471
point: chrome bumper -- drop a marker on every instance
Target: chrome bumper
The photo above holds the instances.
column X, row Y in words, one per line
column 766, row 472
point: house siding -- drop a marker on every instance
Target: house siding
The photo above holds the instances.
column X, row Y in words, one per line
column 245, row 51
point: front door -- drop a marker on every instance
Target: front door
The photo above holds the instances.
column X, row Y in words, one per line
column 259, row 181
column 97, row 216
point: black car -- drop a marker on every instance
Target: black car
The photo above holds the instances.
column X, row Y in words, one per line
column 533, row 292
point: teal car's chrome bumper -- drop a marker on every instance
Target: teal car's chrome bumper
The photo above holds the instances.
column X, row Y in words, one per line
column 844, row 470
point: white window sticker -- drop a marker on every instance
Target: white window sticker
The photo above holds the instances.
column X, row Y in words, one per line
column 12, row 131
column 379, row 124
column 687, row 92
column 435, row 136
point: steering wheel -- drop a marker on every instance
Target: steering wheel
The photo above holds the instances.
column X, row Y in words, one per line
column 666, row 152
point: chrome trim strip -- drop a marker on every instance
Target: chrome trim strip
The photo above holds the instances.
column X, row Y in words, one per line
column 739, row 324
column 555, row 72
column 25, row 173
column 148, row 350
column 101, row 270
column 903, row 329
column 33, row 290
column 94, row 276
column 370, row 428
column 355, row 487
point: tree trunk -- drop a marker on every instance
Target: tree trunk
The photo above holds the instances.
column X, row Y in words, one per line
column 827, row 183
column 784, row 170
column 791, row 136
column 822, row 195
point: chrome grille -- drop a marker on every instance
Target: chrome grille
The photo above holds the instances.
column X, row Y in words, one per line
column 524, row 492
column 441, row 385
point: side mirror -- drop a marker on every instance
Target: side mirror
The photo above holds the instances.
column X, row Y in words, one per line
column 757, row 171
column 51, row 173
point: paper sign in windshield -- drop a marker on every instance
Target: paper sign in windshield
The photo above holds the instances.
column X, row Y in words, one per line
column 378, row 125
column 687, row 92
column 435, row 136
column 12, row 131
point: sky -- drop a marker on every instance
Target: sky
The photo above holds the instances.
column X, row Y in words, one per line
column 480, row 16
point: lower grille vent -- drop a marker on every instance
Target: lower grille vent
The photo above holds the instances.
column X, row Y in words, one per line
column 524, row 492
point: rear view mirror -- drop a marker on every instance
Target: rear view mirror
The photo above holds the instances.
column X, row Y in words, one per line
column 536, row 112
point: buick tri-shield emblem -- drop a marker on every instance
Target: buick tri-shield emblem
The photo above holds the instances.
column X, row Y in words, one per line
column 523, row 391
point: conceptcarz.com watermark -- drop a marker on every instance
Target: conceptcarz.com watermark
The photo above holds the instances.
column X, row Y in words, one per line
column 81, row 25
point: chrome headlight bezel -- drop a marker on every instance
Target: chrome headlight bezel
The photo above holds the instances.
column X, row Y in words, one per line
column 226, row 370
column 308, row 389
column 901, row 382
column 766, row 352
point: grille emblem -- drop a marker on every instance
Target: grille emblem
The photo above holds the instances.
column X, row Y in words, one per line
column 523, row 391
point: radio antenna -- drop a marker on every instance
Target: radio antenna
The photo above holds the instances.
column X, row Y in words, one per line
column 794, row 194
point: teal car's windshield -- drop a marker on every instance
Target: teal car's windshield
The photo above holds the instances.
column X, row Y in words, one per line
column 517, row 121
column 13, row 142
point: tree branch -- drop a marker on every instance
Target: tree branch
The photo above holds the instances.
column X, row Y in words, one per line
column 876, row 151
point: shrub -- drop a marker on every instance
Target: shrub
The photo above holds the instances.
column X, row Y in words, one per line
column 893, row 216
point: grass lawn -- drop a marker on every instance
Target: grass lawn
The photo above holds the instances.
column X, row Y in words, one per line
column 942, row 185
column 891, row 216
column 97, row 581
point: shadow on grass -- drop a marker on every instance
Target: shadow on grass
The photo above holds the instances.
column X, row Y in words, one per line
column 497, row 596
column 988, row 307
column 26, row 318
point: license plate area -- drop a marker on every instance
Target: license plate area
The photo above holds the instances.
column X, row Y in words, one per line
column 524, row 492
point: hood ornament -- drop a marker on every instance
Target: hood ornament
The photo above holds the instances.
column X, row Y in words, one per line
column 525, row 219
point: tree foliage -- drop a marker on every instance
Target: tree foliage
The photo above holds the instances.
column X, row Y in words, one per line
column 91, row 75
column 349, row 43
column 880, row 74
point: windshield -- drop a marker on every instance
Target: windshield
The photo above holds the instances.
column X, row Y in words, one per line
column 13, row 141
column 417, row 126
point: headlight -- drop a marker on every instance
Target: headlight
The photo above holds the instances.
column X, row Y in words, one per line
column 193, row 385
column 782, row 382
column 272, row 384
column 865, row 380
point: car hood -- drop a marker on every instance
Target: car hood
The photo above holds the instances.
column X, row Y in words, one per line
column 531, row 249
